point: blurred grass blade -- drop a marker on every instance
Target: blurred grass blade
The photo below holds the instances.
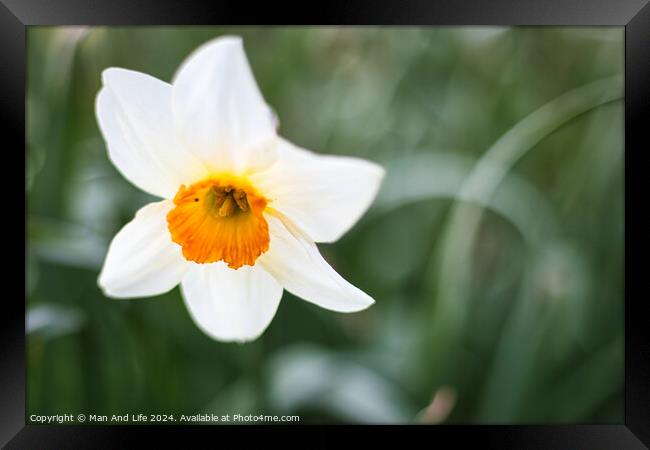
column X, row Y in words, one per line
column 504, row 153
column 65, row 243
column 50, row 320
column 305, row 377
column 448, row 270
column 438, row 175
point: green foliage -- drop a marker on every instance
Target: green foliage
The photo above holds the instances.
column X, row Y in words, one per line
column 494, row 249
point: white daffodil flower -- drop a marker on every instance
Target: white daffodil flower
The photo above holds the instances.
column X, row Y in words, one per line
column 242, row 207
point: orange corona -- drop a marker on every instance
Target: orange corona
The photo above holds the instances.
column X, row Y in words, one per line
column 220, row 219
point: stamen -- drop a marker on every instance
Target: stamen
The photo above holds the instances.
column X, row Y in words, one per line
column 228, row 207
column 218, row 195
column 240, row 198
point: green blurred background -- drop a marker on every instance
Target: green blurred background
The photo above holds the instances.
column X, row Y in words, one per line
column 494, row 249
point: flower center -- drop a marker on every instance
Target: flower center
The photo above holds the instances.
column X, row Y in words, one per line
column 219, row 219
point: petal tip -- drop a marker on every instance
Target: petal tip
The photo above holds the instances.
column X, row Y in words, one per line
column 110, row 73
column 106, row 291
column 227, row 338
column 376, row 169
column 217, row 44
column 223, row 40
column 99, row 101
column 382, row 171
column 105, row 285
column 368, row 302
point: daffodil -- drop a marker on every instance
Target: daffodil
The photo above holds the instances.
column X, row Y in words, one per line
column 241, row 208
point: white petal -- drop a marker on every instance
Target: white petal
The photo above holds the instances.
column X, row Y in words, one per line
column 142, row 260
column 228, row 304
column 323, row 195
column 135, row 118
column 298, row 266
column 219, row 112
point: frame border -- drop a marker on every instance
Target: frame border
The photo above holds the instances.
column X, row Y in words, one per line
column 634, row 15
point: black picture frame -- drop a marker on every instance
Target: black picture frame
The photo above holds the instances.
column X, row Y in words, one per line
column 634, row 15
